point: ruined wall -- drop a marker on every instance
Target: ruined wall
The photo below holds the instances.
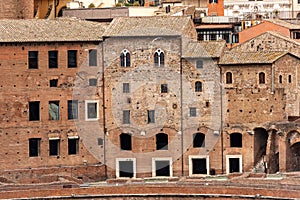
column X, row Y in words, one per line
column 20, row 85
column 16, row 9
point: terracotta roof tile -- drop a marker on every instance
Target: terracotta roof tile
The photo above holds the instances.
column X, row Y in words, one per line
column 147, row 26
column 283, row 23
column 203, row 49
column 44, row 30
column 234, row 57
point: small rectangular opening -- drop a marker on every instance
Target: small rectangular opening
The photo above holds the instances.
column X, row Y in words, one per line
column 92, row 112
column 164, row 88
column 54, row 147
column 73, row 144
column 92, row 82
column 72, row 109
column 126, row 88
column 151, row 116
column 53, row 108
column 162, row 167
column 34, row 111
column 126, row 116
column 199, row 166
column 93, row 57
column 33, row 59
column 53, row 59
column 72, row 58
column 126, row 169
column 34, row 147
column 53, row 82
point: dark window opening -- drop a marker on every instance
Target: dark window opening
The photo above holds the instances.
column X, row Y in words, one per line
column 125, row 142
column 125, row 58
column 73, row 146
column 34, row 147
column 53, row 82
column 262, row 78
column 33, row 59
column 161, row 141
column 193, row 112
column 126, row 116
column 93, row 57
column 53, row 59
column 92, row 110
column 159, row 58
column 54, row 147
column 234, row 165
column 198, row 140
column 199, row 64
column 53, row 108
column 34, row 111
column 92, row 82
column 228, row 78
column 213, row 1
column 126, row 88
column 151, row 116
column 72, row 58
column 280, row 79
column 164, row 88
column 236, row 140
column 290, row 78
column 126, row 169
column 100, row 141
column 72, row 109
column 198, row 86
column 162, row 168
column 199, row 166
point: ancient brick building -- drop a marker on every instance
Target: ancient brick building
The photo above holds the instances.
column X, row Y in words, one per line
column 16, row 9
column 143, row 98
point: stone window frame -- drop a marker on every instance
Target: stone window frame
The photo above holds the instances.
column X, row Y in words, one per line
column 191, row 157
column 118, row 166
column 159, row 58
column 227, row 157
column 162, row 159
column 125, row 58
column 228, row 77
column 87, row 102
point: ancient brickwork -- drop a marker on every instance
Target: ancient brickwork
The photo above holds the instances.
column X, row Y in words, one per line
column 16, row 9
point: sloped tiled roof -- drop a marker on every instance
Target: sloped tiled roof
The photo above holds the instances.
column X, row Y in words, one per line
column 283, row 23
column 147, row 26
column 233, row 57
column 203, row 49
column 45, row 30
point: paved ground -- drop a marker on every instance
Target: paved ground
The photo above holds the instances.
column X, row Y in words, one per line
column 242, row 186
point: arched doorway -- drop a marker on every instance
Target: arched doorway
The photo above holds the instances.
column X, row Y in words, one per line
column 295, row 157
column 260, row 144
column 293, row 151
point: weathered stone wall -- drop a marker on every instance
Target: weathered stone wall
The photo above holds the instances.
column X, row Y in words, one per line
column 16, row 9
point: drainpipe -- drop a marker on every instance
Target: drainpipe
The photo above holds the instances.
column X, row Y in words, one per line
column 272, row 78
column 103, row 102
column 181, row 109
column 221, row 126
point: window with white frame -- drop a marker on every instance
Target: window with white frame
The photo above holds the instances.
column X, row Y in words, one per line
column 125, row 58
column 125, row 167
column 91, row 109
column 159, row 58
column 162, row 167
column 234, row 163
column 198, row 165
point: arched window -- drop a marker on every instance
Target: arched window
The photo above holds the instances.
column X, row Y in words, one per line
column 228, row 78
column 198, row 140
column 280, row 79
column 198, row 86
column 125, row 141
column 125, row 58
column 236, row 140
column 159, row 58
column 261, row 77
column 161, row 141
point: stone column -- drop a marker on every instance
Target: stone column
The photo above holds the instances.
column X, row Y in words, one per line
column 282, row 153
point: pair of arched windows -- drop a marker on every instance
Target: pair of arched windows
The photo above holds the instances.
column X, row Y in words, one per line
column 159, row 58
column 261, row 78
column 289, row 78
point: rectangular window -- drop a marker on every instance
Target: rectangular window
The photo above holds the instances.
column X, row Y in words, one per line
column 34, row 147
column 91, row 110
column 53, row 83
column 92, row 82
column 193, row 112
column 151, row 116
column 72, row 109
column 73, row 144
column 126, row 116
column 54, row 147
column 53, row 59
column 199, row 64
column 213, row 1
column 72, row 58
column 164, row 88
column 298, row 1
column 34, row 111
column 33, row 59
column 126, row 88
column 53, row 108
column 93, row 57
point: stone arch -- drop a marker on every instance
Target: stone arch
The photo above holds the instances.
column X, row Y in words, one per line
column 293, row 151
column 260, row 143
